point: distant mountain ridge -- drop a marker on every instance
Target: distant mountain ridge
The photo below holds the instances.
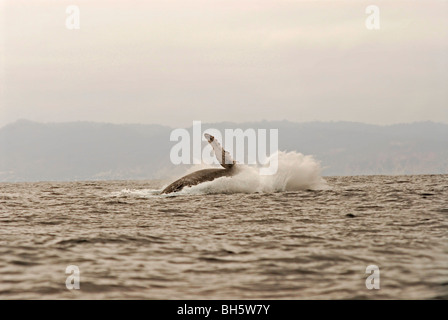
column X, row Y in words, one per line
column 31, row 151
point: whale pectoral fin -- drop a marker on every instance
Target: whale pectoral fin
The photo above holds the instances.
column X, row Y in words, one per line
column 223, row 156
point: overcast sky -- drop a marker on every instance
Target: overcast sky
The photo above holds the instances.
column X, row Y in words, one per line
column 174, row 61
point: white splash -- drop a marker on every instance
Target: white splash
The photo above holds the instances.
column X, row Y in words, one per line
column 295, row 172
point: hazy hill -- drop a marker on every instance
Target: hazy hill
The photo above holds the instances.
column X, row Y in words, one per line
column 31, row 151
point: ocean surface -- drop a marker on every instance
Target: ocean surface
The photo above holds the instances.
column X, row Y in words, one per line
column 215, row 242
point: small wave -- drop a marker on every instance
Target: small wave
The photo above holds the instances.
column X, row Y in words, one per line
column 142, row 193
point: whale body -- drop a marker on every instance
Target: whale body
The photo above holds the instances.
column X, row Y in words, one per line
column 197, row 177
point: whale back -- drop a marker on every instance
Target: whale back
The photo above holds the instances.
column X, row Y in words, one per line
column 197, row 178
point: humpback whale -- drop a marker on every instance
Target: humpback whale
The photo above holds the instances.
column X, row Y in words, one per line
column 224, row 158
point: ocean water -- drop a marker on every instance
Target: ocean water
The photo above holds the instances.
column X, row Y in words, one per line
column 305, row 238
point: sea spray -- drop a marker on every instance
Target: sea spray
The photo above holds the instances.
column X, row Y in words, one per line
column 295, row 172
